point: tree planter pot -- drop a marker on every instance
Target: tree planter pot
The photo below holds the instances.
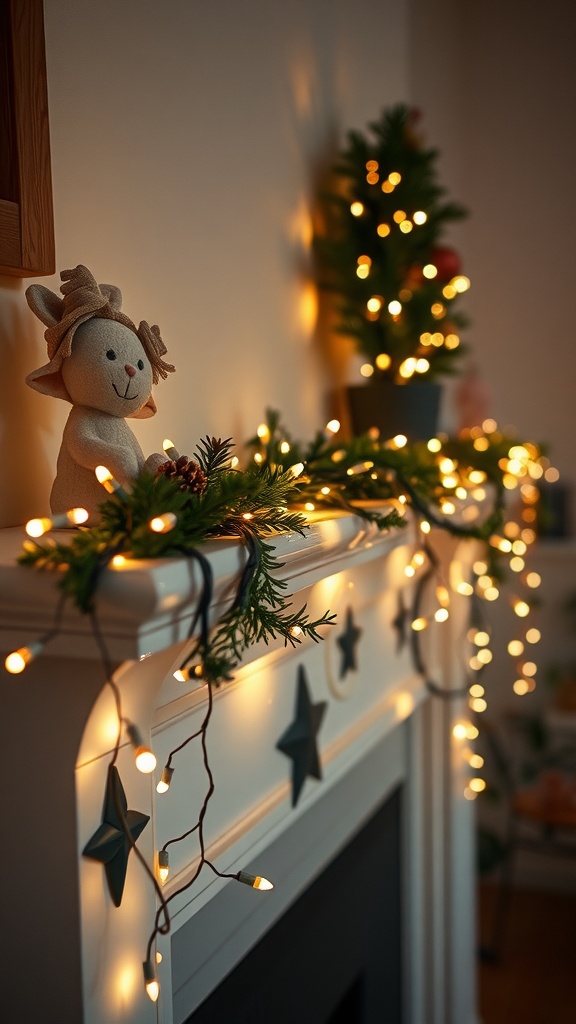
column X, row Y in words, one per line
column 410, row 409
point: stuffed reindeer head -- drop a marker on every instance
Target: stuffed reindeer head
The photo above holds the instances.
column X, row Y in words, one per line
column 105, row 366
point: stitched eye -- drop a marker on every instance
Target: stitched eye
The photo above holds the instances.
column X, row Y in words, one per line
column 140, row 364
column 110, row 354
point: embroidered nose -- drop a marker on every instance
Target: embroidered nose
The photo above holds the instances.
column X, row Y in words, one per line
column 130, row 370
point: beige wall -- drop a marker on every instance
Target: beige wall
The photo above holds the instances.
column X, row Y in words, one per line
column 185, row 137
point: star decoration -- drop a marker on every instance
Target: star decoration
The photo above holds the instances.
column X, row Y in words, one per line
column 399, row 623
column 347, row 644
column 299, row 740
column 110, row 844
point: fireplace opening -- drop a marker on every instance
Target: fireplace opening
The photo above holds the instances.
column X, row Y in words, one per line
column 335, row 956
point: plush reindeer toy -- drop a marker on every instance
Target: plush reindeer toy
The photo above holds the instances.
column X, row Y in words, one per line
column 105, row 366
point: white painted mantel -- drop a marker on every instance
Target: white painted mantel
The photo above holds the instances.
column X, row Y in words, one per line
column 64, row 945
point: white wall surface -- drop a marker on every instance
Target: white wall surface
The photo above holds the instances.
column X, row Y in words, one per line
column 185, row 140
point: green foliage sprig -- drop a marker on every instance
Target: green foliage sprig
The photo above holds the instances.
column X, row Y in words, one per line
column 250, row 505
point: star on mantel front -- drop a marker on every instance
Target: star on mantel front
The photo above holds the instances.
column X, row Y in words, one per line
column 347, row 643
column 399, row 623
column 110, row 844
column 299, row 740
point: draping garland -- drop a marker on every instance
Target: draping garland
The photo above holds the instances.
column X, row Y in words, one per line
column 378, row 480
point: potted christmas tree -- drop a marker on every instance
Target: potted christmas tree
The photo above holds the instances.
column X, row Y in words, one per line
column 396, row 288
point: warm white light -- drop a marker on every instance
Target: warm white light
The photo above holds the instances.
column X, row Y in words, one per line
column 521, row 687
column 255, row 881
column 419, row 624
column 441, row 614
column 434, row 444
column 357, row 209
column 407, row 367
column 333, row 426
column 477, row 785
column 309, row 506
column 476, row 761
column 366, row 369
column 429, row 271
column 151, row 983
column 533, row 636
column 521, row 608
column 145, row 760
column 163, row 784
column 263, row 432
column 297, row 469
column 515, row 648
column 104, row 477
column 533, row 579
column 459, row 731
column 425, row 526
column 170, row 450
column 17, row 660
column 163, row 866
column 164, row 523
column 420, row 217
column 395, row 307
column 38, row 527
column 143, row 756
column 399, row 440
column 422, row 365
column 383, row 361
column 284, row 447
column 464, row 588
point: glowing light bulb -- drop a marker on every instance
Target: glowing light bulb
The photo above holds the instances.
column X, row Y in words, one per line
column 151, row 983
column 522, row 608
column 325, row 490
column 459, row 731
column 170, row 450
column 422, row 366
column 419, row 624
column 284, row 448
column 434, row 444
column 399, row 441
column 297, row 469
column 143, row 756
column 165, row 779
column 383, row 230
column 481, row 638
column 395, row 307
column 407, row 367
column 441, row 614
column 425, row 526
column 357, row 209
column 515, row 648
column 366, row 369
column 164, row 523
column 477, row 785
column 533, row 636
column 255, row 881
column 163, row 866
column 521, row 687
column 429, row 271
column 533, row 579
column 309, row 506
column 476, row 761
column 17, row 661
column 419, row 217
column 38, row 527
column 465, row 589
column 383, row 361
column 263, row 432
column 333, row 426
column 104, row 477
column 374, row 304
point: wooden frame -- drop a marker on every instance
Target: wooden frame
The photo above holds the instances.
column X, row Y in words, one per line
column 26, row 215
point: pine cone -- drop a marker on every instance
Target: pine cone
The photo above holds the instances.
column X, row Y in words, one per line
column 188, row 472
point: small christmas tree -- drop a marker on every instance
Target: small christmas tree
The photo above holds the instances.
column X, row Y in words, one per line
column 378, row 252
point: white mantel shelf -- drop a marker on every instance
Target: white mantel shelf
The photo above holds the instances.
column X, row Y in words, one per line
column 63, row 942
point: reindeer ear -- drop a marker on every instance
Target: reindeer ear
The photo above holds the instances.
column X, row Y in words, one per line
column 147, row 410
column 45, row 304
column 113, row 294
column 48, row 380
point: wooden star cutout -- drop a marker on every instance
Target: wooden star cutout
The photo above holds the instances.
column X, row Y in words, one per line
column 347, row 644
column 299, row 740
column 110, row 844
column 399, row 623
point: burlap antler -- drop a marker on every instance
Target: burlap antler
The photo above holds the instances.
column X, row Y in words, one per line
column 155, row 349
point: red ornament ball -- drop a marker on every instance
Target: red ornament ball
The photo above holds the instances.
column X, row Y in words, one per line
column 447, row 262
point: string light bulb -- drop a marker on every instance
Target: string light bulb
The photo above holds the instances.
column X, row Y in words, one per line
column 144, row 757
column 163, row 866
column 17, row 661
column 165, row 779
column 104, row 477
column 170, row 450
column 255, row 881
column 151, row 983
column 164, row 523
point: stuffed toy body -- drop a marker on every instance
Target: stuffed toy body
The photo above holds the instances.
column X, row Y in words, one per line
column 105, row 367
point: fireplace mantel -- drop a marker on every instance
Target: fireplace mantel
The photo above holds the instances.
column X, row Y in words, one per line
column 64, row 943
